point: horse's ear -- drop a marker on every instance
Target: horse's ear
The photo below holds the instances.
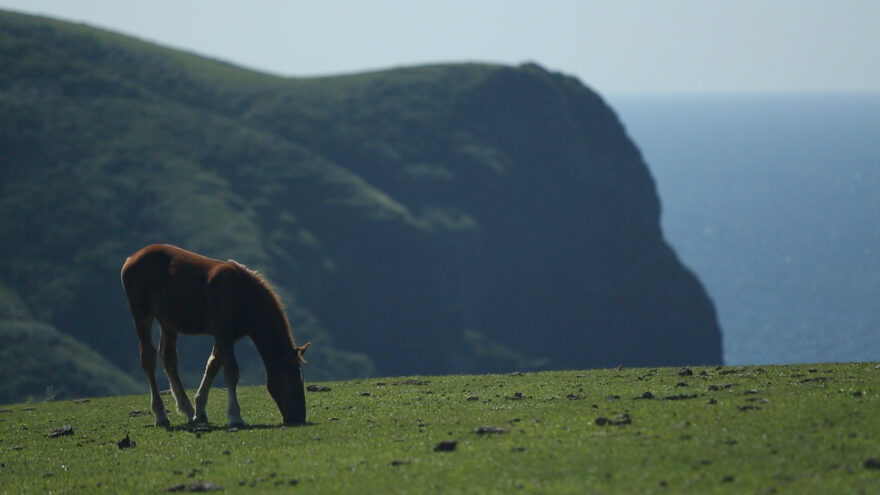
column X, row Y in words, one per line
column 302, row 350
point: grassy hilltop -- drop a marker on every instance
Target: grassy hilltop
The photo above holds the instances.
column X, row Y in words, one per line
column 771, row 429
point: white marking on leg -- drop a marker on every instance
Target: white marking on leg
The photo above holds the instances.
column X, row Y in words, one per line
column 201, row 397
column 226, row 353
column 233, row 412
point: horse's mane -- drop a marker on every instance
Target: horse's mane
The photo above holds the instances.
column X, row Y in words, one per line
column 266, row 292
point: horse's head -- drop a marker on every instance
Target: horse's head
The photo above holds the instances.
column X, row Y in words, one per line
column 286, row 387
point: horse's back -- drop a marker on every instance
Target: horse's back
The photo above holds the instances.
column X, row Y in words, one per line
column 170, row 284
column 165, row 259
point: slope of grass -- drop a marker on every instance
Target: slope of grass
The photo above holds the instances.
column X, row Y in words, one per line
column 783, row 429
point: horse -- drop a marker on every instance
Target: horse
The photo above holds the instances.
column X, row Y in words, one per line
column 191, row 294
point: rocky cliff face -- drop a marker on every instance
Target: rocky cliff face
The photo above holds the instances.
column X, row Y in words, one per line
column 537, row 228
column 420, row 220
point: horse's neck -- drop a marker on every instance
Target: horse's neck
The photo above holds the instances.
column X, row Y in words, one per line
column 270, row 331
column 274, row 344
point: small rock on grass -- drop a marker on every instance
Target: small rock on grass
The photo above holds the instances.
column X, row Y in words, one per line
column 195, row 486
column 872, row 463
column 203, row 486
column 620, row 420
column 446, row 446
column 290, row 482
column 125, row 443
column 62, row 431
column 489, row 429
column 680, row 397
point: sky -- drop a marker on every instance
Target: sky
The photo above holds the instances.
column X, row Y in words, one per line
column 615, row 46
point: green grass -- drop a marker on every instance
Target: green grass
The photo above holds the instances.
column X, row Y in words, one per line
column 782, row 429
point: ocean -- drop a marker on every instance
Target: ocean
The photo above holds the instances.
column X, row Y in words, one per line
column 774, row 202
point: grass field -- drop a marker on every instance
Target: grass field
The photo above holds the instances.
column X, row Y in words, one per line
column 771, row 429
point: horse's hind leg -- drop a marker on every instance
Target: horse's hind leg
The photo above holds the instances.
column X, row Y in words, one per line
column 225, row 349
column 143, row 325
column 168, row 351
column 201, row 397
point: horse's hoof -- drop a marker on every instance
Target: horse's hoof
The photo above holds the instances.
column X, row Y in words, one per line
column 163, row 422
column 235, row 424
column 199, row 418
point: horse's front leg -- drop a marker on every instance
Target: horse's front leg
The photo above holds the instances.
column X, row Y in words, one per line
column 225, row 349
column 201, row 397
column 168, row 351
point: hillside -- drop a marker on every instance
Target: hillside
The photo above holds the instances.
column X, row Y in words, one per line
column 429, row 219
column 775, row 429
column 40, row 363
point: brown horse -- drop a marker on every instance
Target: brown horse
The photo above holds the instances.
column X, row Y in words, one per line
column 194, row 295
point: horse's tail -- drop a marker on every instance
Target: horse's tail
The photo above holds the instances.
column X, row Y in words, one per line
column 132, row 282
column 137, row 274
column 125, row 268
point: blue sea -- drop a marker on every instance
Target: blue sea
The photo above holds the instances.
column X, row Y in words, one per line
column 774, row 202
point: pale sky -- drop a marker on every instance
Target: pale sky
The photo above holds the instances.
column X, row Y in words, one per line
column 615, row 46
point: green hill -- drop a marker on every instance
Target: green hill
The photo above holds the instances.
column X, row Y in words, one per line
column 420, row 220
column 38, row 362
